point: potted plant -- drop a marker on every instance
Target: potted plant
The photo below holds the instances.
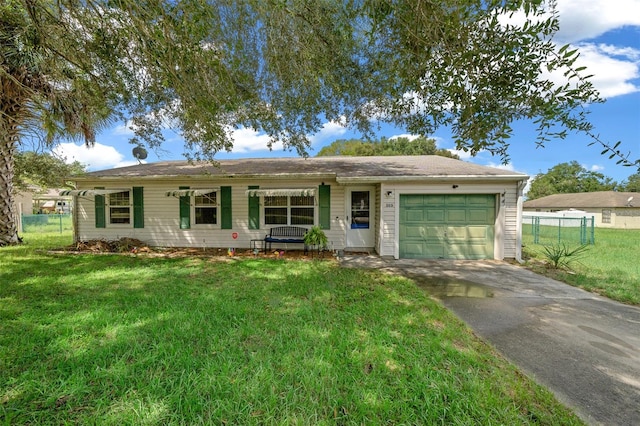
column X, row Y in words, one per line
column 316, row 238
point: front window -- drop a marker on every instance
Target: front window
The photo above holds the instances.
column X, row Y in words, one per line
column 606, row 216
column 206, row 209
column 119, row 208
column 289, row 210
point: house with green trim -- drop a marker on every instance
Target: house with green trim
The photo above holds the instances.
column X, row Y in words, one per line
column 427, row 207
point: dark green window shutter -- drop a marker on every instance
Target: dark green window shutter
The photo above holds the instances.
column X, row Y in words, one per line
column 100, row 211
column 185, row 210
column 226, row 221
column 254, row 210
column 138, row 207
column 324, row 206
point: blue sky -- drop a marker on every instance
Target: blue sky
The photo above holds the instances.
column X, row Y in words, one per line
column 606, row 32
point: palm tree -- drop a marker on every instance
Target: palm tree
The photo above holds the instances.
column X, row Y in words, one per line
column 42, row 93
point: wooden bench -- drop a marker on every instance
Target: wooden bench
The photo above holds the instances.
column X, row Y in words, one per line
column 284, row 235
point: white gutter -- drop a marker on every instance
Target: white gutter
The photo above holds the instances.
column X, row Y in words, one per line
column 439, row 178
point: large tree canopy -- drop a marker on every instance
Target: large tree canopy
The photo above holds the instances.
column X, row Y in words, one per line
column 43, row 170
column 282, row 67
column 384, row 146
column 567, row 178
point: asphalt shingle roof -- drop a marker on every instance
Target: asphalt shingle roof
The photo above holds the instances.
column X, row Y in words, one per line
column 585, row 200
column 345, row 167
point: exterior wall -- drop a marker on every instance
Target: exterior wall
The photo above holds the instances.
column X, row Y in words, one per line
column 379, row 236
column 162, row 215
column 620, row 217
column 337, row 233
column 625, row 218
column 510, row 225
column 388, row 222
column 507, row 226
column 22, row 204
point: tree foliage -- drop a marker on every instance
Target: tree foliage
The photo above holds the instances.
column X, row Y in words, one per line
column 632, row 184
column 568, row 178
column 43, row 170
column 384, row 146
column 277, row 66
column 205, row 67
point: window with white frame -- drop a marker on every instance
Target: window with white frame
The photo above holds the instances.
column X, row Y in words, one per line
column 289, row 210
column 606, row 216
column 120, row 208
column 206, row 209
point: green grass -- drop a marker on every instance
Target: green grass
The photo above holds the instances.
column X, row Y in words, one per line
column 610, row 267
column 119, row 339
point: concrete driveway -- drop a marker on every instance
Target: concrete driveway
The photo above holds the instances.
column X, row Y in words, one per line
column 583, row 347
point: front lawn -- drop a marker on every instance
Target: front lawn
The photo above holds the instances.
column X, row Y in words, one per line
column 122, row 339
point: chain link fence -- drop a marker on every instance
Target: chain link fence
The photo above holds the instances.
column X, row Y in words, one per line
column 551, row 230
column 47, row 223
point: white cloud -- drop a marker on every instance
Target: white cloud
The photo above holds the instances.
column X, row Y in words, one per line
column 329, row 130
column 612, row 76
column 629, row 53
column 123, row 129
column 247, row 140
column 97, row 157
column 462, row 154
column 614, row 67
column 587, row 19
column 405, row 135
column 508, row 166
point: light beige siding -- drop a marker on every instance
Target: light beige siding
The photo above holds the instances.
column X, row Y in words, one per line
column 388, row 224
column 162, row 216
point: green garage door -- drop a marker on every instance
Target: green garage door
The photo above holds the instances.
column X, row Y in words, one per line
column 447, row 226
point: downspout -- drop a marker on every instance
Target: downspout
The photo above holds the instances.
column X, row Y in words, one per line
column 73, row 209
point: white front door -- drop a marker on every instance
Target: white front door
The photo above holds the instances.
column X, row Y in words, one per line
column 360, row 204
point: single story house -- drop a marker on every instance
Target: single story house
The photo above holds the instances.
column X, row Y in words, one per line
column 406, row 206
column 610, row 209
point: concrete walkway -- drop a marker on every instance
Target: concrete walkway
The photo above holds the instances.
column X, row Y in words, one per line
column 583, row 347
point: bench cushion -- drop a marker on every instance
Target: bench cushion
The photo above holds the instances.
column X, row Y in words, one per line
column 283, row 240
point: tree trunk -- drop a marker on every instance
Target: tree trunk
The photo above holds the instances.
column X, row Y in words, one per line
column 8, row 143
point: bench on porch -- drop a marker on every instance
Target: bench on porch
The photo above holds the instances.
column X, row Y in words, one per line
column 284, row 235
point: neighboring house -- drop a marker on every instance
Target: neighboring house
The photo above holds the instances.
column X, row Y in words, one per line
column 406, row 207
column 610, row 209
column 51, row 202
column 22, row 204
